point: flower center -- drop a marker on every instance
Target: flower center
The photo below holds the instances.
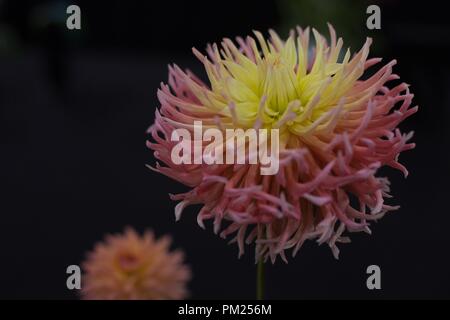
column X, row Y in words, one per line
column 280, row 87
column 128, row 262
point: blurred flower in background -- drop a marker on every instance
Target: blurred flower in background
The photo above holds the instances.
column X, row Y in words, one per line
column 132, row 267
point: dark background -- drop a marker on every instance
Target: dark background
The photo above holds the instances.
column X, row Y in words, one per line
column 74, row 107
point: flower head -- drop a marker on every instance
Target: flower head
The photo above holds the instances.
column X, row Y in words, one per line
column 133, row 267
column 337, row 127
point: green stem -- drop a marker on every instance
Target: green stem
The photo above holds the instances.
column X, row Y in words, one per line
column 260, row 280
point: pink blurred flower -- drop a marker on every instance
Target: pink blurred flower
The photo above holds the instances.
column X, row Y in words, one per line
column 133, row 267
column 337, row 128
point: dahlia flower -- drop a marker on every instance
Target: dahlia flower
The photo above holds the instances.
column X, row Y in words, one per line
column 133, row 267
column 337, row 127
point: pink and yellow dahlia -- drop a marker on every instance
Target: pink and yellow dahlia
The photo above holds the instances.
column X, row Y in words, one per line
column 337, row 127
column 133, row 267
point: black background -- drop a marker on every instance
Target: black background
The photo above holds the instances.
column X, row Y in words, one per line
column 74, row 107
